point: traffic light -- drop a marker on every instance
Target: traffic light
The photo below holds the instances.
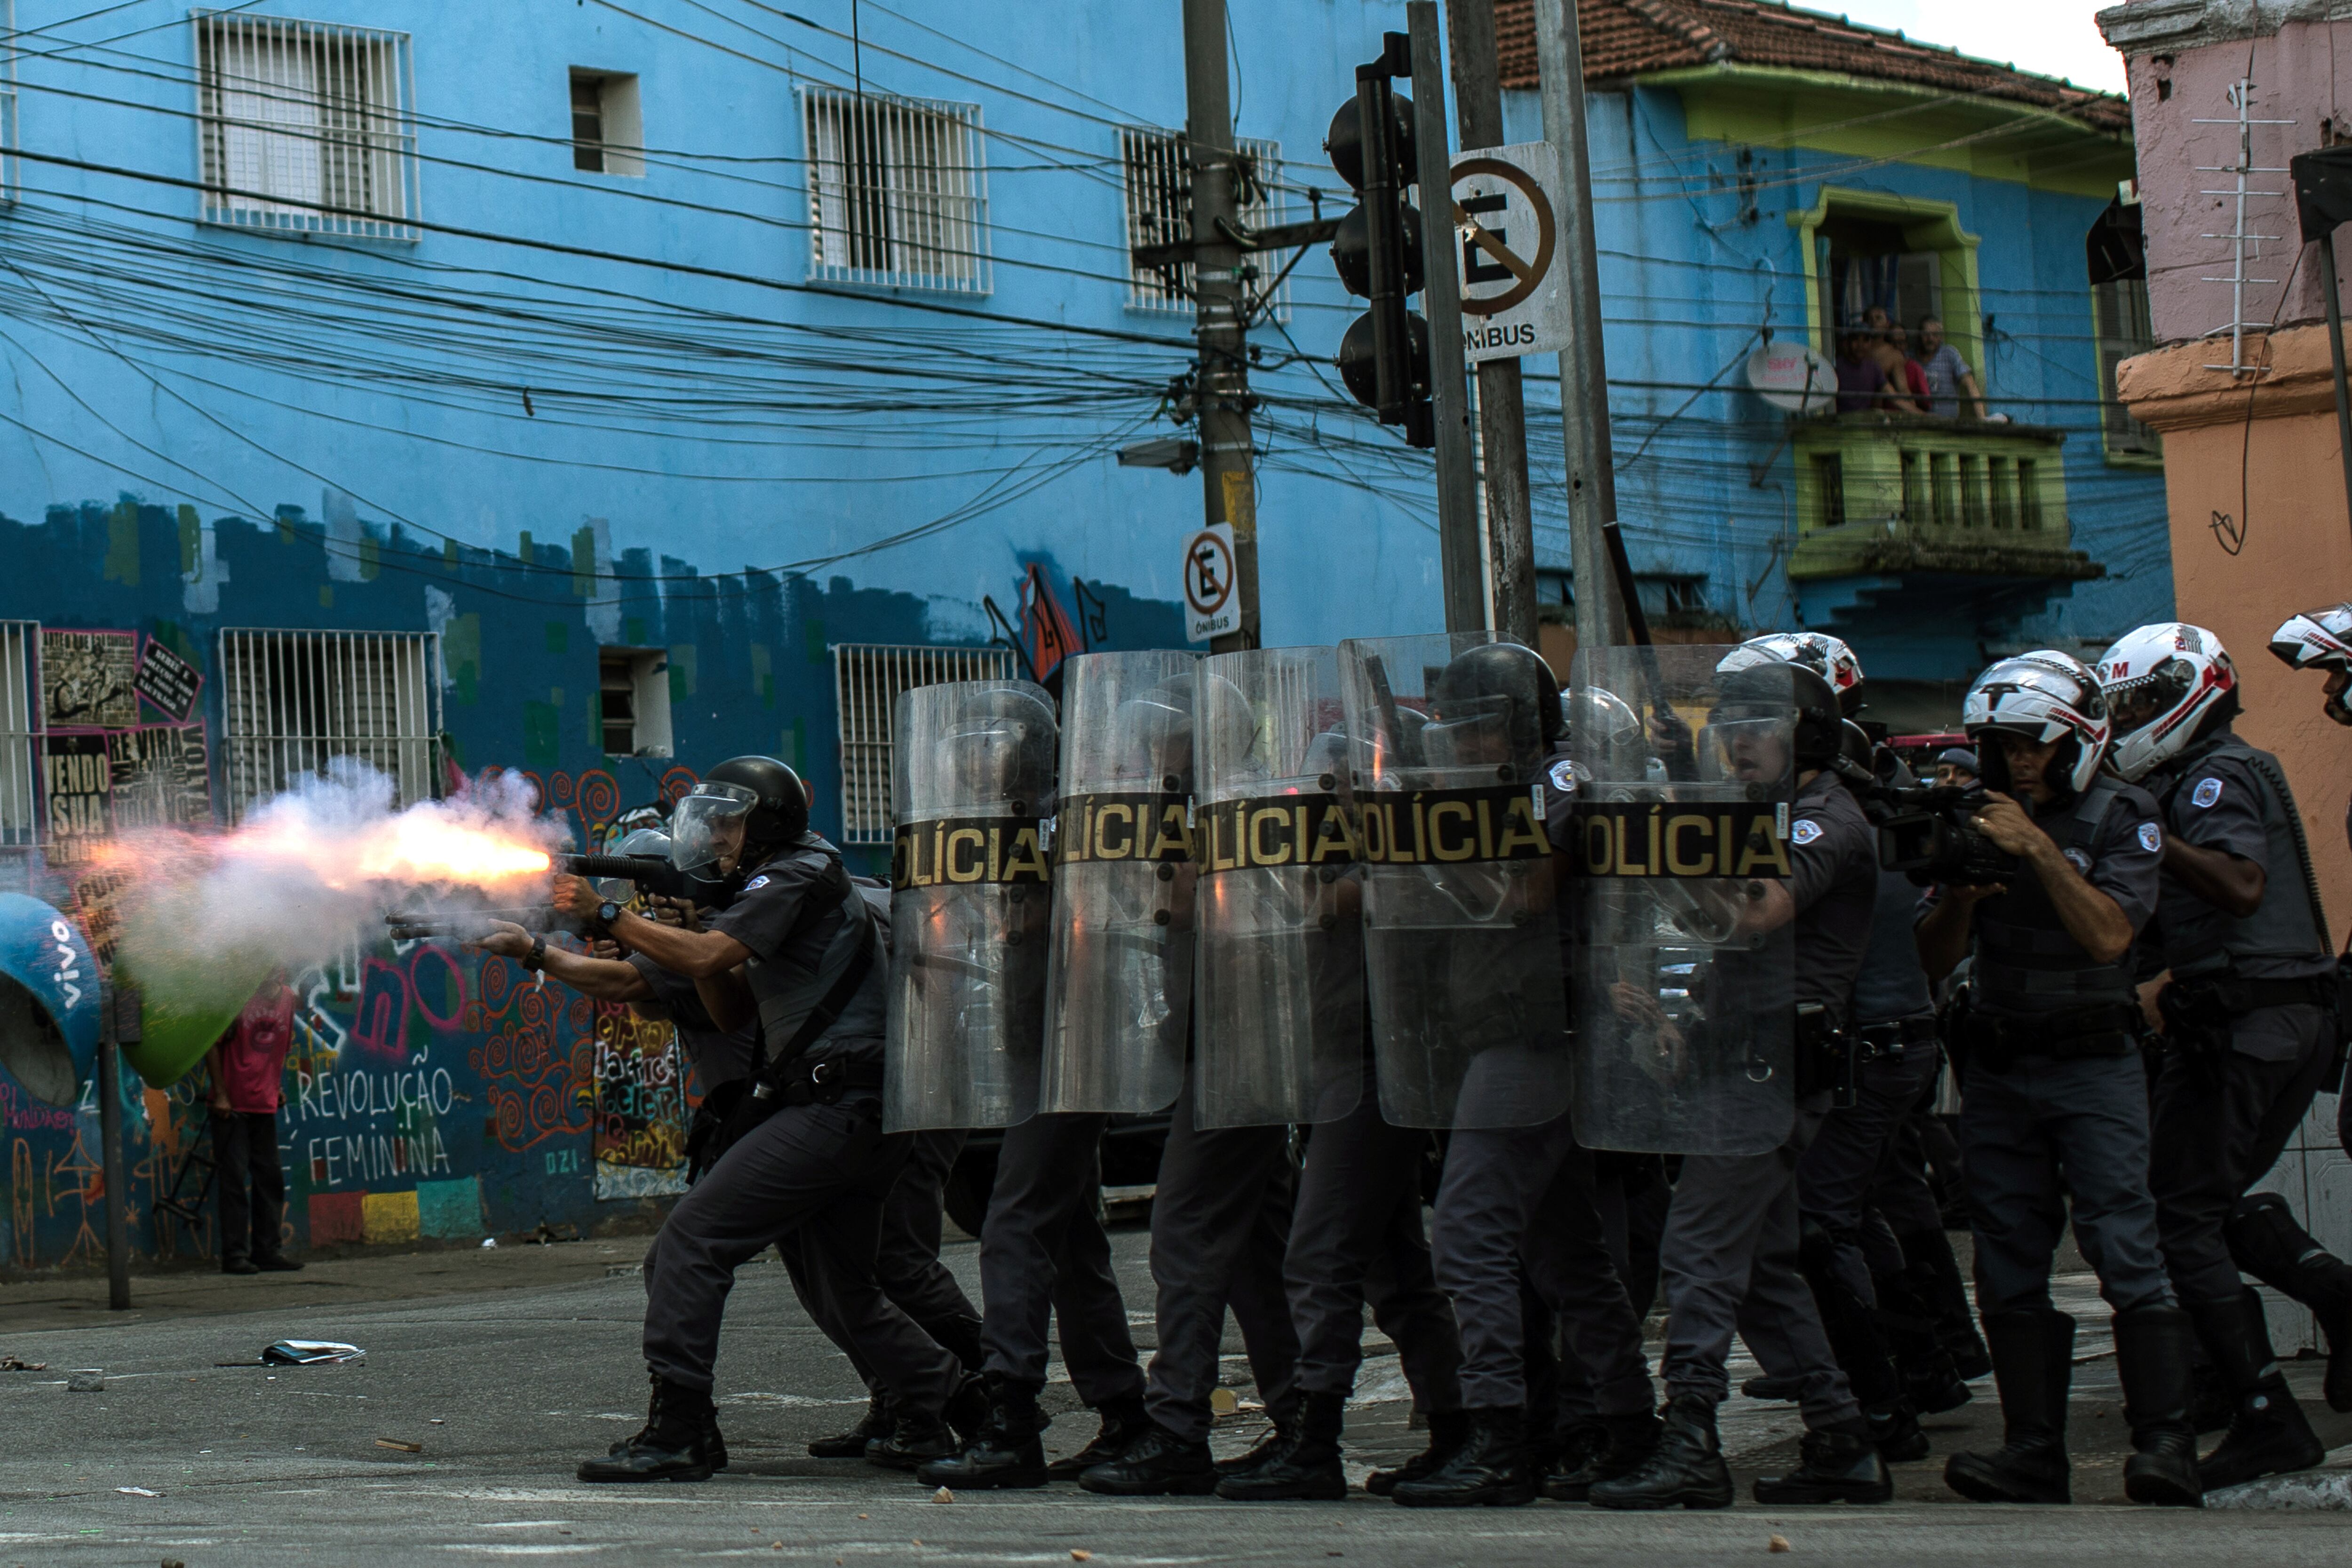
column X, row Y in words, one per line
column 1384, row 357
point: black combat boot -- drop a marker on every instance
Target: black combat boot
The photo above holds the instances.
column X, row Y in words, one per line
column 1835, row 1466
column 1490, row 1467
column 1685, row 1470
column 1778, row 1389
column 2267, row 1243
column 1447, row 1429
column 2153, row 1345
column 2269, row 1436
column 1123, row 1422
column 1156, row 1464
column 1907, row 1321
column 1306, row 1469
column 1927, row 1259
column 1578, row 1447
column 669, row 1447
column 968, row 1407
column 851, row 1445
column 2033, row 1363
column 1628, row 1441
column 1004, row 1452
column 1280, row 1435
column 918, row 1438
column 1894, row 1432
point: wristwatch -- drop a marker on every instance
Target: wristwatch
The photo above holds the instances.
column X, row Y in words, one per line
column 607, row 912
column 537, row 957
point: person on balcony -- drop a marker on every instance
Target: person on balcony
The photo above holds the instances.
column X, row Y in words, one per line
column 1861, row 381
column 1951, row 385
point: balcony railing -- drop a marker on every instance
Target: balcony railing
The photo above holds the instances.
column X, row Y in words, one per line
column 1880, row 494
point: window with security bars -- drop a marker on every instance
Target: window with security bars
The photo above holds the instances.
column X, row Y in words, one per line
column 1159, row 201
column 2125, row 328
column 866, row 681
column 307, row 126
column 20, row 733
column 897, row 191
column 293, row 702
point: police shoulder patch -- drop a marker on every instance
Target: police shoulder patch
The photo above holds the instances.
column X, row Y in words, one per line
column 2151, row 837
column 1804, row 831
column 756, row 883
column 2079, row 861
column 1563, row 777
column 2207, row 791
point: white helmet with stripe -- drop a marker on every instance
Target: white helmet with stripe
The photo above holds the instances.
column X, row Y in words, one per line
column 2166, row 684
column 2042, row 697
column 1826, row 657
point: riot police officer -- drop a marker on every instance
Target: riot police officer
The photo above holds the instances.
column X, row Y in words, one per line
column 2248, row 1031
column 801, row 950
column 2052, row 1082
column 1730, row 1253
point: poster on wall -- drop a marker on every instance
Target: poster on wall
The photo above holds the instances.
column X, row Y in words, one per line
column 75, row 780
column 168, row 682
column 639, row 1137
column 89, row 679
column 158, row 776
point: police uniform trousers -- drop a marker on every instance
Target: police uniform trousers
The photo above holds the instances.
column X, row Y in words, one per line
column 1517, row 1198
column 2223, row 1116
column 1355, row 1236
column 1045, row 1262
column 1730, row 1264
column 820, row 1173
column 1900, row 1196
column 1220, row 1226
column 907, row 1262
column 1838, row 1174
column 2040, row 1122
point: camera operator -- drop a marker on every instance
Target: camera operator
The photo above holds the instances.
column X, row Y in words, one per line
column 2051, row 1077
column 2249, row 1032
column 799, row 951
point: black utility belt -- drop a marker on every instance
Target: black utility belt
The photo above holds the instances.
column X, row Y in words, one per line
column 821, row 1083
column 2075, row 1034
column 1892, row 1038
column 2236, row 994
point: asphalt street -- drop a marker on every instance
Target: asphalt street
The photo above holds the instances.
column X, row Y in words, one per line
column 504, row 1387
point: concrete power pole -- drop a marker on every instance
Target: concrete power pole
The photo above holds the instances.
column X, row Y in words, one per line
column 1502, row 412
column 1601, row 618
column 1228, row 489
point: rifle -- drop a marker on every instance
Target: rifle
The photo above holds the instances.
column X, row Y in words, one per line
column 468, row 924
column 652, row 875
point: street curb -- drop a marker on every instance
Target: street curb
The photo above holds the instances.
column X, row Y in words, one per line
column 2324, row 1489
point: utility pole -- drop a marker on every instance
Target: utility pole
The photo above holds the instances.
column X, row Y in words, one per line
column 1228, row 490
column 1502, row 411
column 111, row 1004
column 1449, row 386
column 1601, row 617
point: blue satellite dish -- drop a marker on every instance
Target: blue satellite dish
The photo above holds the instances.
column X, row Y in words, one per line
column 48, row 1000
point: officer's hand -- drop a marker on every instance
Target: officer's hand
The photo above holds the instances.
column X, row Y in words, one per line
column 2151, row 1007
column 679, row 912
column 505, row 938
column 603, row 947
column 2004, row 821
column 572, row 895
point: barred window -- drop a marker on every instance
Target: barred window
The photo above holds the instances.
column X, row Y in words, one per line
column 292, row 702
column 307, row 126
column 2120, row 309
column 897, row 191
column 21, row 723
column 866, row 681
column 1159, row 201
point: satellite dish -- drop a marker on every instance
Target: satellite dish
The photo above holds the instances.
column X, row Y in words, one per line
column 1793, row 378
column 50, row 1000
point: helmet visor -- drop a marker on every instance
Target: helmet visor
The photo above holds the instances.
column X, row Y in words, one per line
column 1749, row 745
column 2135, row 705
column 1469, row 732
column 708, row 824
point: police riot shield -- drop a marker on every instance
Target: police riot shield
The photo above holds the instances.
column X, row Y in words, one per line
column 1683, row 969
column 1280, row 957
column 973, row 780
column 1118, row 985
column 1448, row 738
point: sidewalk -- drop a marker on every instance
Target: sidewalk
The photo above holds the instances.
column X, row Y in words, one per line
column 169, row 1295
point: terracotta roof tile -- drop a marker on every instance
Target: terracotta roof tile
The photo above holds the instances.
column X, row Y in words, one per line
column 1632, row 37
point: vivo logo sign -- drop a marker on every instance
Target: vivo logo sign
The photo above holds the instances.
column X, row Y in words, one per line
column 69, row 963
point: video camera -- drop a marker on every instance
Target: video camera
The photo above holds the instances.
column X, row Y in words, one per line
column 1929, row 833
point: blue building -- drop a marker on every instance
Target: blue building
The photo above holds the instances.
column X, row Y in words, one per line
column 602, row 393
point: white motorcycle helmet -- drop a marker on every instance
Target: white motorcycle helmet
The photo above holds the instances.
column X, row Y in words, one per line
column 2165, row 685
column 2042, row 697
column 2319, row 639
column 1827, row 656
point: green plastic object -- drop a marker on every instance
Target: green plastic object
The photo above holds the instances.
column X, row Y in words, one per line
column 188, row 1002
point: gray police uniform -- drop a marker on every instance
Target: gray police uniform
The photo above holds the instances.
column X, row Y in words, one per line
column 2245, row 1042
column 1729, row 1256
column 1220, row 1225
column 716, row 1055
column 2054, row 1100
column 823, row 1172
column 1518, row 1203
column 1044, row 1261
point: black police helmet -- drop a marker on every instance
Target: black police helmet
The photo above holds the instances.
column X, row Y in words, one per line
column 1762, row 691
column 1509, row 670
column 782, row 813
